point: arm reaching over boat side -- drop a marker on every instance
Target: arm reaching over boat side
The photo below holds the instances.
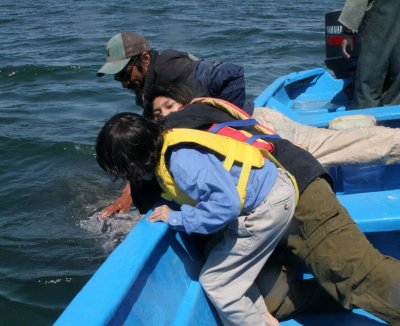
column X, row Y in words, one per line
column 336, row 147
column 121, row 205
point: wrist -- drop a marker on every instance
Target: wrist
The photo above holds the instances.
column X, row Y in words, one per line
column 127, row 189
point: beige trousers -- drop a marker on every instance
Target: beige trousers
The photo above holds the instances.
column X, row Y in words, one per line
column 233, row 264
column 372, row 145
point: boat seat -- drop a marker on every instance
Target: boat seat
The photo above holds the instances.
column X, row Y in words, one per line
column 366, row 209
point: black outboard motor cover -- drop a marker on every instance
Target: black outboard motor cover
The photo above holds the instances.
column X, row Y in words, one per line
column 335, row 61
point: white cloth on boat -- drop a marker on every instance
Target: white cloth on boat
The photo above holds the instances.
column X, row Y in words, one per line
column 233, row 264
column 372, row 145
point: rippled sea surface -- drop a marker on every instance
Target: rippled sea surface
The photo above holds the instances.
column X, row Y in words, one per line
column 52, row 105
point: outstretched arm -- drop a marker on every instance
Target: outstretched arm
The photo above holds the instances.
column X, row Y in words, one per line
column 121, row 205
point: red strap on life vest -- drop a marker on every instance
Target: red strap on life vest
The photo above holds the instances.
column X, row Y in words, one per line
column 243, row 136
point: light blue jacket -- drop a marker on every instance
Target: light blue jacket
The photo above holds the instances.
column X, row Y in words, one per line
column 202, row 176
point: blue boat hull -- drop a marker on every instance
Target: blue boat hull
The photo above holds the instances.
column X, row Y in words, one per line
column 152, row 277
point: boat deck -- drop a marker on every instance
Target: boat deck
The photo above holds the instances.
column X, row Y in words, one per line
column 315, row 97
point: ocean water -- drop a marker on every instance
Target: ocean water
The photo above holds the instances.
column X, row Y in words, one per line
column 52, row 106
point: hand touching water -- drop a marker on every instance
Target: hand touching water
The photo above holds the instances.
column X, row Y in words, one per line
column 121, row 205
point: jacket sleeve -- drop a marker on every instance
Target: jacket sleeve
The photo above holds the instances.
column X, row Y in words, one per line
column 353, row 13
column 203, row 177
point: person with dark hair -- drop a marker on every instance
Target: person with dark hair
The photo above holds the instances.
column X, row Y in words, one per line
column 176, row 96
column 221, row 185
column 330, row 147
column 322, row 236
column 141, row 69
column 377, row 80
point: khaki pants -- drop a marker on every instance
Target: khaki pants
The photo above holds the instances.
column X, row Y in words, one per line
column 228, row 275
column 333, row 147
column 345, row 265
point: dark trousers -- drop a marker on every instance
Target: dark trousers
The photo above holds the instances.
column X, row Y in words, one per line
column 349, row 272
column 378, row 71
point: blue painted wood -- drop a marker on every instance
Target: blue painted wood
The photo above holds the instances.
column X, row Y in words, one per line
column 151, row 278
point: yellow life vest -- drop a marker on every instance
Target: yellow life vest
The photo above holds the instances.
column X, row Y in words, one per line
column 232, row 150
column 240, row 114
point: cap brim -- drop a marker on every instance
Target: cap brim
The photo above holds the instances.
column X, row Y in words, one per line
column 112, row 68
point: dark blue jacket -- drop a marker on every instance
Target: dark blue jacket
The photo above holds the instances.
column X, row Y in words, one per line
column 222, row 80
column 212, row 79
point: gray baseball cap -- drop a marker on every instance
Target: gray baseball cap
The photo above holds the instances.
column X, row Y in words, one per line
column 120, row 49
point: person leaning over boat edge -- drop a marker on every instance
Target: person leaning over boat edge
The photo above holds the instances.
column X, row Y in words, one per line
column 377, row 80
column 375, row 144
column 139, row 68
column 322, row 235
column 222, row 185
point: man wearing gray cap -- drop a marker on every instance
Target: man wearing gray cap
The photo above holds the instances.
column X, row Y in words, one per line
column 132, row 62
column 139, row 68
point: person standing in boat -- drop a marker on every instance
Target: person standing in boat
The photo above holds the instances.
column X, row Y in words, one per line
column 348, row 271
column 221, row 185
column 377, row 80
column 139, row 68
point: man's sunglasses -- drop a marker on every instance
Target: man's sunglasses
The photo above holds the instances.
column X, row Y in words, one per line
column 125, row 73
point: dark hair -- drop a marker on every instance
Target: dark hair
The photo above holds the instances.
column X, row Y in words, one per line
column 178, row 92
column 128, row 146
